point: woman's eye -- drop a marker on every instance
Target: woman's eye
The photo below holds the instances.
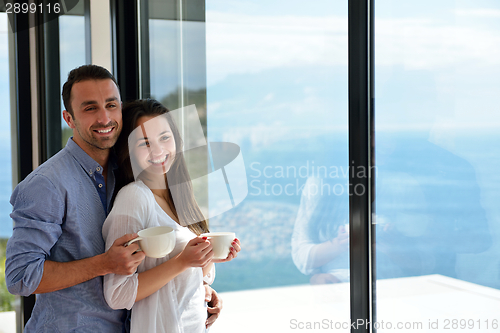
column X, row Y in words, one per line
column 165, row 138
column 144, row 144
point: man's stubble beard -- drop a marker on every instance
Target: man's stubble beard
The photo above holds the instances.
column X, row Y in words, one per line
column 97, row 143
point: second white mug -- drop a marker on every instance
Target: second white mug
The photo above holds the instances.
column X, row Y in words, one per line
column 221, row 243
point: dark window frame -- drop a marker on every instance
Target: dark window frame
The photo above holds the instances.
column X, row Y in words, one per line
column 361, row 148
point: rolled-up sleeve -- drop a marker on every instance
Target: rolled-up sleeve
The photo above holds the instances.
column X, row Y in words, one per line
column 38, row 211
column 120, row 291
column 129, row 214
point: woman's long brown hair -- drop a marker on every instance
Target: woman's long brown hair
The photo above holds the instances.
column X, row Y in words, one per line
column 185, row 209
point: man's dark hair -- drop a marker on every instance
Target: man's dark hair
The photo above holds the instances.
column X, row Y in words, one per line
column 82, row 73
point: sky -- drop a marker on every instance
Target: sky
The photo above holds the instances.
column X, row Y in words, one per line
column 455, row 48
column 445, row 58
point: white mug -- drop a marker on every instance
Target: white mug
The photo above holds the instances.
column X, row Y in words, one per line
column 221, row 243
column 156, row 242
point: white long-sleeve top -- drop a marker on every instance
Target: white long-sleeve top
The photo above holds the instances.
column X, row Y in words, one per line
column 304, row 249
column 179, row 306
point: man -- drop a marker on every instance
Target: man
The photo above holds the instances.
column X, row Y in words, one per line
column 56, row 249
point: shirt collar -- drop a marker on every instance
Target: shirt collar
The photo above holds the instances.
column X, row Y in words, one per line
column 87, row 162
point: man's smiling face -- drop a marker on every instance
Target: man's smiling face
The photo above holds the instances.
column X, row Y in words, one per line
column 97, row 114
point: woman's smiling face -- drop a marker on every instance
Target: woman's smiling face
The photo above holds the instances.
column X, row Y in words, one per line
column 153, row 145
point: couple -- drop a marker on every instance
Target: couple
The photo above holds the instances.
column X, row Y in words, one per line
column 57, row 251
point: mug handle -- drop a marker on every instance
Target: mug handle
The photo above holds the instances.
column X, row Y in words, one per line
column 133, row 241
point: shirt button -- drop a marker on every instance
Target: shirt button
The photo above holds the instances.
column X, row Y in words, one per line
column 100, row 185
column 98, row 169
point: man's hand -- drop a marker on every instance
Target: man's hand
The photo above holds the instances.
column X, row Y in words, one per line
column 118, row 259
column 121, row 259
column 214, row 305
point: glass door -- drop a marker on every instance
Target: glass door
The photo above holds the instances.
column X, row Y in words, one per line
column 437, row 154
column 8, row 302
column 72, row 52
column 277, row 87
column 269, row 78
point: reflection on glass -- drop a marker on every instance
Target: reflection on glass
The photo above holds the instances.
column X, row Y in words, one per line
column 178, row 74
column 72, row 51
column 177, row 54
column 321, row 232
column 277, row 87
column 436, row 155
column 272, row 79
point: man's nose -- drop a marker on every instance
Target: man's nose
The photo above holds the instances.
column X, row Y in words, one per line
column 103, row 116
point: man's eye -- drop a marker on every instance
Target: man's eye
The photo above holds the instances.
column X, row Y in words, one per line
column 90, row 108
column 112, row 106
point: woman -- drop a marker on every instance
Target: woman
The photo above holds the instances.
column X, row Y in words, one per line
column 320, row 236
column 167, row 294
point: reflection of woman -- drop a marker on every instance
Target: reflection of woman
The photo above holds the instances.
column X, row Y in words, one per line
column 167, row 294
column 320, row 235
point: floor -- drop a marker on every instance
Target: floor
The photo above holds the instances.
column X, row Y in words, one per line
column 432, row 303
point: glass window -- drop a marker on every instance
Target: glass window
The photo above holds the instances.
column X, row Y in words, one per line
column 275, row 79
column 72, row 52
column 437, row 133
column 7, row 301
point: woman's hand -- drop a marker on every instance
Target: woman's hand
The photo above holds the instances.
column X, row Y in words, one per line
column 197, row 253
column 233, row 252
column 340, row 243
column 324, row 278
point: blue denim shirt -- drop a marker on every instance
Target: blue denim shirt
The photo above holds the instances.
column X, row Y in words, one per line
column 58, row 215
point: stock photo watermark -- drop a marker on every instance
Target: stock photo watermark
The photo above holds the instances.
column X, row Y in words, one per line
column 277, row 180
column 430, row 324
column 36, row 12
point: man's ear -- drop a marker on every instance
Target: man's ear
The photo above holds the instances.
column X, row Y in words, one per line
column 69, row 119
